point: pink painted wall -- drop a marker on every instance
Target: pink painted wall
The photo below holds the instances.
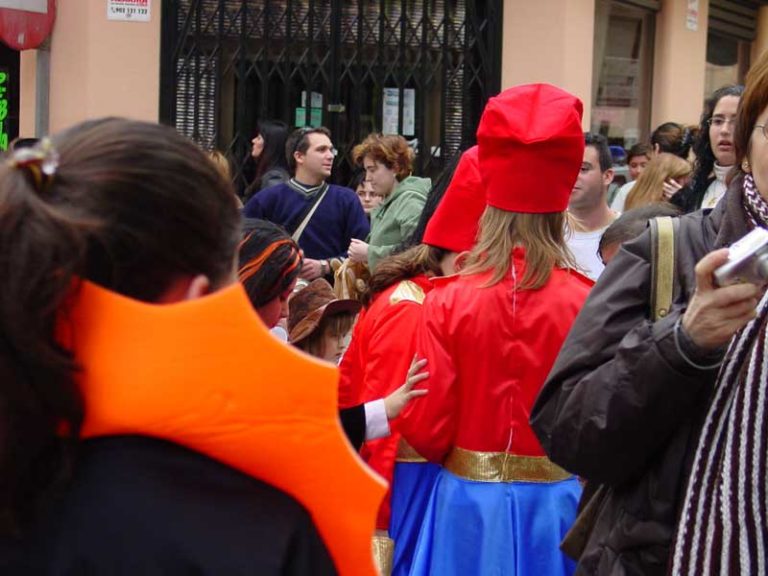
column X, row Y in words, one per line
column 550, row 41
column 679, row 64
column 28, row 83
column 101, row 67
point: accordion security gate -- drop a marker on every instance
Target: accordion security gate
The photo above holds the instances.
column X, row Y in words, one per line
column 421, row 68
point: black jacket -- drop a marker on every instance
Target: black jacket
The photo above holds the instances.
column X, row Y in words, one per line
column 622, row 407
column 138, row 505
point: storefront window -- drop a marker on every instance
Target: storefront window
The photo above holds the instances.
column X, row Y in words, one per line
column 727, row 61
column 622, row 72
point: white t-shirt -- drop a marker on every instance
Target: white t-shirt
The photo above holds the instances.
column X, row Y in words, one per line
column 621, row 196
column 717, row 188
column 583, row 246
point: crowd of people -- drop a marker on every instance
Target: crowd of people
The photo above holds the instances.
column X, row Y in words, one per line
column 538, row 362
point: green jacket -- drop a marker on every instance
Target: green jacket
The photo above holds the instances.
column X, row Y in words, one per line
column 395, row 218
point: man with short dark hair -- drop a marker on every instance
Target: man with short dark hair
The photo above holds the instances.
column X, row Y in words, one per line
column 588, row 205
column 325, row 217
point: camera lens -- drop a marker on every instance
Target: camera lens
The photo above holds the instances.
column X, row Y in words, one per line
column 761, row 266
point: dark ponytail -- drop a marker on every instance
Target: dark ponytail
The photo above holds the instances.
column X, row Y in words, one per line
column 42, row 250
column 129, row 205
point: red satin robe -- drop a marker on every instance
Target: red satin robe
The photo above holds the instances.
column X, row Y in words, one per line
column 377, row 362
column 489, row 351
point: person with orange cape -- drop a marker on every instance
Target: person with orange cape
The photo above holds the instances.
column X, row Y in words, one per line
column 136, row 438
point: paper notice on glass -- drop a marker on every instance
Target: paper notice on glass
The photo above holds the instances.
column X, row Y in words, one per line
column 391, row 111
column 129, row 10
column 315, row 99
column 409, row 112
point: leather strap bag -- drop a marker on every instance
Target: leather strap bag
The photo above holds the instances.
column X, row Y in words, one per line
column 663, row 230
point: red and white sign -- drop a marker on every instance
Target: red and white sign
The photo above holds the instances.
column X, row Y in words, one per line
column 129, row 10
column 24, row 24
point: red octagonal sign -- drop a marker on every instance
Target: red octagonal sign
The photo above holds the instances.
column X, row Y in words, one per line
column 24, row 24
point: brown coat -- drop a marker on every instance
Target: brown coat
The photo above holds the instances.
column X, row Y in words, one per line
column 621, row 407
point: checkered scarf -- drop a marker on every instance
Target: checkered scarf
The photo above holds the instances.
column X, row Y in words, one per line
column 724, row 523
column 754, row 204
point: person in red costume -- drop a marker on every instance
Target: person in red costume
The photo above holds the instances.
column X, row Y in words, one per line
column 490, row 335
column 379, row 353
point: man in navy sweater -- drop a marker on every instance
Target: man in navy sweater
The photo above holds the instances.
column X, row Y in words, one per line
column 338, row 216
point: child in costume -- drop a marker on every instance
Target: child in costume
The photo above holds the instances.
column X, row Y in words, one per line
column 319, row 323
column 380, row 350
column 491, row 334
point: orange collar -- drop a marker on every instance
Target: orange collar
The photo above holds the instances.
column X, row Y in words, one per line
column 207, row 375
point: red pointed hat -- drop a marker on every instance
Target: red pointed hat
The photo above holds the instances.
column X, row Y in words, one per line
column 531, row 146
column 453, row 226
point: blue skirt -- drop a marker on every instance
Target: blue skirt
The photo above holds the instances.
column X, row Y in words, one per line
column 498, row 528
column 411, row 488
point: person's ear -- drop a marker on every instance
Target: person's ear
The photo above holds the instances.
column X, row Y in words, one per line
column 198, row 287
column 608, row 177
column 185, row 288
column 460, row 260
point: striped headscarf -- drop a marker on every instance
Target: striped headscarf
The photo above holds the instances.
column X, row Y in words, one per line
column 269, row 262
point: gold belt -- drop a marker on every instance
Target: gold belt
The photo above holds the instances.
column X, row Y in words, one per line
column 406, row 453
column 503, row 467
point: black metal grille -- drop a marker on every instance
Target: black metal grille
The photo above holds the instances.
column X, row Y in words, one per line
column 228, row 63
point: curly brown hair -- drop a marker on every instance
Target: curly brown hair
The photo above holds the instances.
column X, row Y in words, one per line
column 391, row 150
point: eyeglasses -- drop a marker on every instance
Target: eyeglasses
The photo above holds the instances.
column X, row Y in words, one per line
column 720, row 121
column 762, row 129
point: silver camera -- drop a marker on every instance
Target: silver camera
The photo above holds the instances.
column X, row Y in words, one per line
column 747, row 261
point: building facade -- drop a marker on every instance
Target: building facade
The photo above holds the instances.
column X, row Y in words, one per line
column 421, row 68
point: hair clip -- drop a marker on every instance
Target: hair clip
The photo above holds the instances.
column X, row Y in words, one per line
column 40, row 162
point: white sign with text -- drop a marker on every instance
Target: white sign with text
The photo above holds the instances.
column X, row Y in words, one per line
column 129, row 10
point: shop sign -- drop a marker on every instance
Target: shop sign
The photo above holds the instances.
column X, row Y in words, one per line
column 25, row 24
column 4, row 80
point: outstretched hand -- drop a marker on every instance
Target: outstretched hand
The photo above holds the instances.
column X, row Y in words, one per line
column 399, row 399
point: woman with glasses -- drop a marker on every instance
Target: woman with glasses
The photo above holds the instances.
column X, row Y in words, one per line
column 629, row 398
column 388, row 163
column 714, row 149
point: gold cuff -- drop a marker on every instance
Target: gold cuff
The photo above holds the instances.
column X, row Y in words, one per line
column 383, row 554
column 503, row 467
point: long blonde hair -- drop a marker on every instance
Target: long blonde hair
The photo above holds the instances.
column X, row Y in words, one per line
column 650, row 185
column 542, row 236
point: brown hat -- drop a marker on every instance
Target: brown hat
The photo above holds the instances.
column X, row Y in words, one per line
column 308, row 307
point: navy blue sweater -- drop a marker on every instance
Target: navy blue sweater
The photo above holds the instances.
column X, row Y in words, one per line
column 338, row 218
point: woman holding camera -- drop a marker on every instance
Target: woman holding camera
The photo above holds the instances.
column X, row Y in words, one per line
column 626, row 399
